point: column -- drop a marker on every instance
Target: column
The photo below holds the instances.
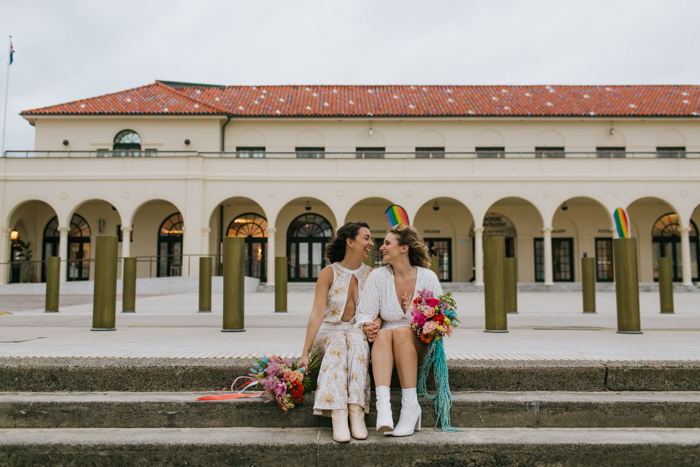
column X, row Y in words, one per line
column 478, row 256
column 206, row 233
column 271, row 255
column 685, row 256
column 126, row 245
column 548, row 276
column 4, row 257
column 63, row 251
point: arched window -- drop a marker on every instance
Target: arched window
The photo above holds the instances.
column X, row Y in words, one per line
column 307, row 237
column 170, row 234
column 666, row 241
column 127, row 143
column 254, row 228
column 78, row 247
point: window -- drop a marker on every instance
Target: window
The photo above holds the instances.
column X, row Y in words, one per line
column 670, row 152
column 370, row 153
column 430, row 153
column 604, row 260
column 562, row 259
column 490, row 153
column 78, row 247
column 250, row 152
column 666, row 243
column 549, row 153
column 307, row 237
column 253, row 228
column 170, row 236
column 610, row 152
column 310, row 153
column 126, row 143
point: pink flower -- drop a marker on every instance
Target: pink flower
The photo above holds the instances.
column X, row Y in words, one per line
column 426, row 294
column 419, row 319
column 429, row 313
column 448, row 331
column 273, row 369
column 292, row 376
column 280, row 388
column 433, row 302
column 429, row 327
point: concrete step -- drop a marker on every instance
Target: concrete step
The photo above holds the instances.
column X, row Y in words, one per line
column 470, row 409
column 212, row 374
column 314, row 446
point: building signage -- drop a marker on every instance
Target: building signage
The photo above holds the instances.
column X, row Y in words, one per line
column 428, row 231
column 496, row 225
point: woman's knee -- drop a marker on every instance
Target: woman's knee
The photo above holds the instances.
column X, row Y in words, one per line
column 403, row 333
column 384, row 337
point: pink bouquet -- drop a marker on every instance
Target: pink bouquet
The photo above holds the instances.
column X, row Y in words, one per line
column 433, row 318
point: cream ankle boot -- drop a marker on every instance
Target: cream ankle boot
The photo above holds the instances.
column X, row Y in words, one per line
column 341, row 432
column 357, row 422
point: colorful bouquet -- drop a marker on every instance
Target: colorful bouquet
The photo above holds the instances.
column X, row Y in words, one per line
column 281, row 380
column 433, row 318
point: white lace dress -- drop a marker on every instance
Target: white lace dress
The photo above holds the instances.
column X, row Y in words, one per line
column 379, row 297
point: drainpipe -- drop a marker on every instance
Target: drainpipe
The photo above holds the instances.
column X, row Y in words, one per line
column 223, row 134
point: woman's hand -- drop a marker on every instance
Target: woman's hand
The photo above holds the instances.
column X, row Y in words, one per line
column 303, row 362
column 370, row 330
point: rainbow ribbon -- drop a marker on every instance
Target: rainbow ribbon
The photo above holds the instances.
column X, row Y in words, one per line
column 622, row 223
column 396, row 215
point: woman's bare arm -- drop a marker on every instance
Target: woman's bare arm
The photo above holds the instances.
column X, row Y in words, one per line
column 323, row 284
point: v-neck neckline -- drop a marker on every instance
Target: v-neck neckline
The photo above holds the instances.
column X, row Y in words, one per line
column 415, row 288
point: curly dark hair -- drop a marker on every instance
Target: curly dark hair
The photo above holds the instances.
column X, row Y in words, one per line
column 335, row 250
column 417, row 251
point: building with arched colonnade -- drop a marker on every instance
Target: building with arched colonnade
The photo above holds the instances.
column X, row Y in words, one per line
column 173, row 168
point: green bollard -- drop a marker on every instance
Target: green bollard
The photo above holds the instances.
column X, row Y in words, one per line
column 626, row 285
column 494, row 284
column 281, row 284
column 129, row 286
column 435, row 266
column 234, row 285
column 511, row 285
column 205, row 263
column 370, row 258
column 53, row 271
column 104, row 308
column 666, row 285
column 588, row 284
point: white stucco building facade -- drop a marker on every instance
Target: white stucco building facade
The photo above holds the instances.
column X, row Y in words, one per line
column 174, row 167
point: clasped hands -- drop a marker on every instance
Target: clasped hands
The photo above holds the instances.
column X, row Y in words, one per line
column 370, row 330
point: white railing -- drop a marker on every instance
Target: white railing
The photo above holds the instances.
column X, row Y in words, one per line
column 350, row 155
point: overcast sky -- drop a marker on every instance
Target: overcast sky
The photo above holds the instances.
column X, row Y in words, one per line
column 70, row 49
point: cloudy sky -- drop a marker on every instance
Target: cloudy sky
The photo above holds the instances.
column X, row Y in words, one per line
column 72, row 49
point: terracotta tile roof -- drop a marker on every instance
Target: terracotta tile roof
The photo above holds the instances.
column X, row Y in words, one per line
column 156, row 98
column 394, row 101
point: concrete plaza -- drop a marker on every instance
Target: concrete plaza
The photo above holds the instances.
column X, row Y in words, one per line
column 549, row 326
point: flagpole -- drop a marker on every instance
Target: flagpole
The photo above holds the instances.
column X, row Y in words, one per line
column 4, row 119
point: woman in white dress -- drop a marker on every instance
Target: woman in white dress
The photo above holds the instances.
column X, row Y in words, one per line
column 388, row 294
column 343, row 380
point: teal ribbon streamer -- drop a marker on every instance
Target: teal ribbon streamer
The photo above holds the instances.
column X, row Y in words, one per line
column 437, row 361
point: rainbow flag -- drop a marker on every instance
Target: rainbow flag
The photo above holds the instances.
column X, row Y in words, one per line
column 622, row 223
column 396, row 215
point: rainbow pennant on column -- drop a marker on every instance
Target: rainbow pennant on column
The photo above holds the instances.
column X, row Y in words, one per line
column 396, row 215
column 622, row 222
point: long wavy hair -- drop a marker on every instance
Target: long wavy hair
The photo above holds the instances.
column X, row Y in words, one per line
column 417, row 251
column 335, row 250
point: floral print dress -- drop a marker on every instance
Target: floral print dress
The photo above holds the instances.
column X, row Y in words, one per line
column 344, row 375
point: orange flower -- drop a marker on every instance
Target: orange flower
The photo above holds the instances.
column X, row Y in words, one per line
column 426, row 338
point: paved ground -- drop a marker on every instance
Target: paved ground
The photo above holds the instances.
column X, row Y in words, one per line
column 549, row 326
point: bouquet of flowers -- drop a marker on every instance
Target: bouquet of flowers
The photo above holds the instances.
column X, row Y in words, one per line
column 433, row 318
column 282, row 381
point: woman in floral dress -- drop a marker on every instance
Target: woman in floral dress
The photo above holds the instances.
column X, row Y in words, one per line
column 343, row 380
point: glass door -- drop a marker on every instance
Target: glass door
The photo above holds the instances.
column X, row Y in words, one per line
column 562, row 259
column 441, row 248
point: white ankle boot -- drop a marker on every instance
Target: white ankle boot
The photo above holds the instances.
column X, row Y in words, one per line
column 385, row 421
column 410, row 418
column 341, row 431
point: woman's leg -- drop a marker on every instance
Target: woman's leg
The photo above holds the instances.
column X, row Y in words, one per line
column 358, row 382
column 409, row 352
column 382, row 367
column 383, row 358
column 332, row 390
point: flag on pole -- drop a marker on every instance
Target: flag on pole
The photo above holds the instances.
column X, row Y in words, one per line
column 12, row 53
